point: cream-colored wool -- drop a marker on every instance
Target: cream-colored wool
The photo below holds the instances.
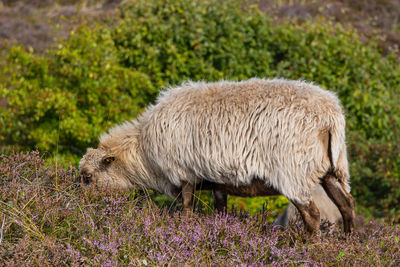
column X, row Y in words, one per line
column 230, row 133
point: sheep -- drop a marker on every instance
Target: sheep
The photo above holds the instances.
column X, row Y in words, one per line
column 254, row 137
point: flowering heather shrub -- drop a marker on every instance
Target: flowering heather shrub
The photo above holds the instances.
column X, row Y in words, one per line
column 50, row 221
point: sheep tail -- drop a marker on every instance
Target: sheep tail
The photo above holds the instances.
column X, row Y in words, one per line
column 338, row 154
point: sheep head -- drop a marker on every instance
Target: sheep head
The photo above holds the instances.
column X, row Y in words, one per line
column 102, row 168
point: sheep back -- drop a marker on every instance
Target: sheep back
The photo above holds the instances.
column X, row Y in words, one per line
column 234, row 132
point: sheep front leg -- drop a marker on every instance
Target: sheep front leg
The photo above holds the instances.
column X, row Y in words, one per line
column 187, row 197
column 343, row 200
column 311, row 217
column 220, row 200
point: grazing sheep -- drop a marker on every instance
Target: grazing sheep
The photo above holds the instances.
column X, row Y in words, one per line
column 255, row 137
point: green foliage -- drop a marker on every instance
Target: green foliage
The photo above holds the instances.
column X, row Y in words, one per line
column 375, row 169
column 274, row 204
column 102, row 76
column 66, row 99
column 207, row 40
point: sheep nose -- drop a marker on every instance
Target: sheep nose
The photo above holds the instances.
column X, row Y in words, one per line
column 86, row 177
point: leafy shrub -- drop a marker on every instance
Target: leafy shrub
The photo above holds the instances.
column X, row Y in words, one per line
column 105, row 75
column 66, row 99
column 207, row 40
column 376, row 176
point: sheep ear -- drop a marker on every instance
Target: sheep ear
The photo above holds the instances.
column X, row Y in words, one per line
column 108, row 159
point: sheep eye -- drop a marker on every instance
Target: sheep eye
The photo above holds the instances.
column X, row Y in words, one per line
column 108, row 160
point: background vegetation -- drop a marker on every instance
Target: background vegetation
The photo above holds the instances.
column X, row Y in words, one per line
column 58, row 98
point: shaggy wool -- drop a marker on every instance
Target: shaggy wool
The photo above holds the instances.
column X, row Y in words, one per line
column 231, row 133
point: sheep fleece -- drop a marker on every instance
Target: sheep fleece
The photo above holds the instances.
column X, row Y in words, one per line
column 233, row 132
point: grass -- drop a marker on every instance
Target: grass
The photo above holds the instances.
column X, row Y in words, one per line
column 49, row 224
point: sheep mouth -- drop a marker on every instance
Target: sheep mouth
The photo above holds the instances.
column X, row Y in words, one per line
column 87, row 181
column 84, row 180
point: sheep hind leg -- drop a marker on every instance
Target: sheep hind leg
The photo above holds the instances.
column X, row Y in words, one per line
column 187, row 198
column 310, row 214
column 343, row 200
column 220, row 200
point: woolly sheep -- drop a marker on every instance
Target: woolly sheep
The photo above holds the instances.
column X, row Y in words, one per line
column 255, row 137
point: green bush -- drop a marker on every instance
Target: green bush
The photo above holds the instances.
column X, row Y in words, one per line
column 102, row 76
column 66, row 99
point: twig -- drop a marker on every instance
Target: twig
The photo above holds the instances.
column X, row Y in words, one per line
column 2, row 228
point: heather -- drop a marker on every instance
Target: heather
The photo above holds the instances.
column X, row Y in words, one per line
column 48, row 220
